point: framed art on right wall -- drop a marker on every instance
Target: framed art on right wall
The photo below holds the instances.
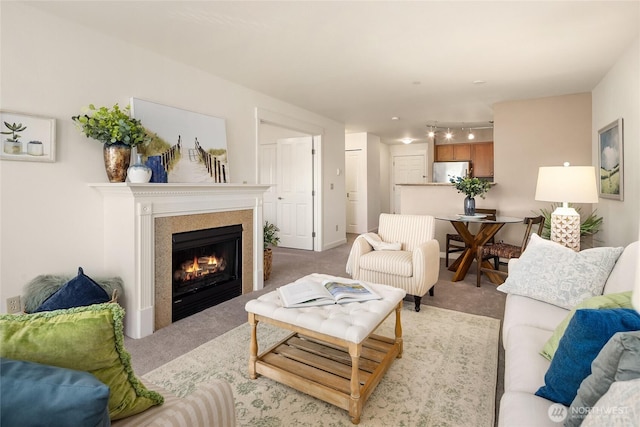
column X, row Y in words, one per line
column 610, row 156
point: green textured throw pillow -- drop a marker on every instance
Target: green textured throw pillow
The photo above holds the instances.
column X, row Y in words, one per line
column 620, row 300
column 83, row 338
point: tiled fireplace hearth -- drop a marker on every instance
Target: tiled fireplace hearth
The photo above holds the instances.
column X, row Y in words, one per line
column 139, row 221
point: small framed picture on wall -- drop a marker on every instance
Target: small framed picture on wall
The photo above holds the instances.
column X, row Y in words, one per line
column 26, row 137
column 611, row 159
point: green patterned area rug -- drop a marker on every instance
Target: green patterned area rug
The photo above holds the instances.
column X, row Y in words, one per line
column 446, row 376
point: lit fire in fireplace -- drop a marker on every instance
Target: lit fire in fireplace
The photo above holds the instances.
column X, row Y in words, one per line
column 200, row 266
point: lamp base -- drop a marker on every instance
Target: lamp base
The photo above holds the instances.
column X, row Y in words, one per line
column 565, row 227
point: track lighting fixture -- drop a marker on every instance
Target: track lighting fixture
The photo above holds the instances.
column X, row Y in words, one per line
column 448, row 135
column 436, row 132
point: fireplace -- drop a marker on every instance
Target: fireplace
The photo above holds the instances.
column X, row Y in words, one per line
column 140, row 221
column 207, row 268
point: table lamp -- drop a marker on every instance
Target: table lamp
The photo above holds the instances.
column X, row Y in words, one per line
column 575, row 184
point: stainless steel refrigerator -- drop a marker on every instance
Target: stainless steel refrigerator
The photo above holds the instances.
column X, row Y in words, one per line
column 443, row 171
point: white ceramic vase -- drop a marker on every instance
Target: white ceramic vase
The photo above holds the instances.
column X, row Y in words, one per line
column 139, row 173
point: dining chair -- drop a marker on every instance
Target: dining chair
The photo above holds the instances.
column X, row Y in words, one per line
column 501, row 250
column 455, row 242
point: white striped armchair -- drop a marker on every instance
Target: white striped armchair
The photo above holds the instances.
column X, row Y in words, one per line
column 414, row 267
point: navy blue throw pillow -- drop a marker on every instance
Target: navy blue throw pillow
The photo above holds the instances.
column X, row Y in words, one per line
column 80, row 291
column 587, row 333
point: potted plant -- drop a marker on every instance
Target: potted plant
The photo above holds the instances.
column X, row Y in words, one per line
column 471, row 187
column 117, row 131
column 270, row 232
column 12, row 145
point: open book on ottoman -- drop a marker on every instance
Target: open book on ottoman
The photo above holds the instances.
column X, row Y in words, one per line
column 336, row 291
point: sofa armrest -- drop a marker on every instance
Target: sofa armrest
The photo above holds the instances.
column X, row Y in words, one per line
column 212, row 404
column 426, row 265
column 359, row 248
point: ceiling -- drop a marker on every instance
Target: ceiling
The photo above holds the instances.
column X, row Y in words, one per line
column 361, row 63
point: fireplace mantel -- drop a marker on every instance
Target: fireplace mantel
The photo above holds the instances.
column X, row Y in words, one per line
column 129, row 214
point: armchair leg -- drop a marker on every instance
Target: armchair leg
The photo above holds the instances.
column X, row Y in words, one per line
column 431, row 290
column 417, row 300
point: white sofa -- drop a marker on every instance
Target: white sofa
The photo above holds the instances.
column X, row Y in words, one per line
column 527, row 325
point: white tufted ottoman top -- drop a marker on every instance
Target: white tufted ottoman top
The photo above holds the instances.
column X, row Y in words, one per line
column 351, row 322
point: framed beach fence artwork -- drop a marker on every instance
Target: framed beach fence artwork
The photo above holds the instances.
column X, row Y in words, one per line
column 26, row 137
column 186, row 146
column 610, row 154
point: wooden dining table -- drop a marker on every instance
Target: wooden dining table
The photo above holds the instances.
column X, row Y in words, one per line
column 488, row 229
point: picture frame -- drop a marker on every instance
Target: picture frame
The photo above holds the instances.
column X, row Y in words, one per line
column 200, row 140
column 26, row 137
column 611, row 160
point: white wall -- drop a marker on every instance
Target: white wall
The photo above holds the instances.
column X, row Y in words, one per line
column 373, row 182
column 385, row 178
column 532, row 133
column 618, row 95
column 51, row 222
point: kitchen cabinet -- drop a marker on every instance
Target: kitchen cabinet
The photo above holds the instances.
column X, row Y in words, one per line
column 452, row 152
column 480, row 154
column 482, row 159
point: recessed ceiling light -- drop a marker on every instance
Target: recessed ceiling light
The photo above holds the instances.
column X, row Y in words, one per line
column 479, row 82
column 395, row 118
column 406, row 140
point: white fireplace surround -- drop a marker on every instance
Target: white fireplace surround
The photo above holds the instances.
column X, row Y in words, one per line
column 129, row 214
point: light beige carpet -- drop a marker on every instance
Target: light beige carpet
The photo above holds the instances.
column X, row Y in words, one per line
column 446, row 377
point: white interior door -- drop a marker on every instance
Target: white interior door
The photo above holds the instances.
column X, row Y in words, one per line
column 268, row 175
column 407, row 170
column 294, row 203
column 354, row 184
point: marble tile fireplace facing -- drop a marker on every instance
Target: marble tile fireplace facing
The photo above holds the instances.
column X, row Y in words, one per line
column 138, row 222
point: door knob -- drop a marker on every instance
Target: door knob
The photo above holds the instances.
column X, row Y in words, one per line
column 279, row 198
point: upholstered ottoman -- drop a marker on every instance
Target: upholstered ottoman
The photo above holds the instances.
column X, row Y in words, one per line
column 332, row 353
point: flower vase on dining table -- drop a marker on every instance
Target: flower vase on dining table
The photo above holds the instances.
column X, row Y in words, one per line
column 469, row 206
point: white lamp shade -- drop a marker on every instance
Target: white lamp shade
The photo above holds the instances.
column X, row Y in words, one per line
column 575, row 184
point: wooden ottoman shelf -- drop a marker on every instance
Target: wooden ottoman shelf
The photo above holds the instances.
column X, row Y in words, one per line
column 336, row 369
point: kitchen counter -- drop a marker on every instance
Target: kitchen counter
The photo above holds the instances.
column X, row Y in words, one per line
column 427, row 184
column 433, row 184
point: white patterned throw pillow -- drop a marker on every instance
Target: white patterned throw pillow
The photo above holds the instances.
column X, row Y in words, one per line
column 550, row 272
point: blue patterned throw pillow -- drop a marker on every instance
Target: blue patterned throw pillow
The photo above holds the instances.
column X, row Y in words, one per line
column 588, row 332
